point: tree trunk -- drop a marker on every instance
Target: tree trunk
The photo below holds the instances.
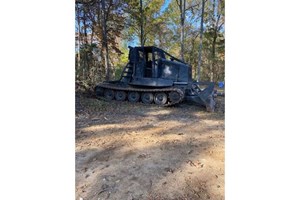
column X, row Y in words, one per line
column 84, row 28
column 213, row 52
column 201, row 42
column 104, row 42
column 182, row 17
column 142, row 41
column 86, row 59
column 78, row 54
column 92, row 35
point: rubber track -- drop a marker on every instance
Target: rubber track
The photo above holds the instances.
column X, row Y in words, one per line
column 170, row 89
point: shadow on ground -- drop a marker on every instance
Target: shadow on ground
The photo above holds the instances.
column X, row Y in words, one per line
column 137, row 151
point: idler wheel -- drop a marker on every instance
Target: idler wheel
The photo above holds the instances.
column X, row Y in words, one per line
column 174, row 97
column 99, row 91
column 160, row 98
column 109, row 94
column 147, row 97
column 133, row 96
column 120, row 95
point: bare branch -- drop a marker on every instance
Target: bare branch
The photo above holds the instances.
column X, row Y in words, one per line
column 192, row 6
column 91, row 2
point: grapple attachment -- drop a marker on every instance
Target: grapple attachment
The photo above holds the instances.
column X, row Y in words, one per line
column 203, row 93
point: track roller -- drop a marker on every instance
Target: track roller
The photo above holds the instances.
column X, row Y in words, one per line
column 120, row 95
column 133, row 96
column 160, row 98
column 109, row 94
column 147, row 97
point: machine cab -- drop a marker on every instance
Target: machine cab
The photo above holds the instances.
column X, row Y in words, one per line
column 145, row 61
column 154, row 67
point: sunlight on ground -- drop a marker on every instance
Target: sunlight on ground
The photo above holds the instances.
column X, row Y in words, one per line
column 162, row 152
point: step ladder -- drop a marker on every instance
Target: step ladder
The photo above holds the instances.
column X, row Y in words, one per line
column 127, row 72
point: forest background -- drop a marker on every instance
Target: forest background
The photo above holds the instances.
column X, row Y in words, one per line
column 192, row 30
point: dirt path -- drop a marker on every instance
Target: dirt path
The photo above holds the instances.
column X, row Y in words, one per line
column 135, row 151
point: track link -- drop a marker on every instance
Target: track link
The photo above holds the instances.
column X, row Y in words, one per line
column 143, row 90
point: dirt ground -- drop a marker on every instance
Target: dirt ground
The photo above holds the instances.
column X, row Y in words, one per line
column 137, row 151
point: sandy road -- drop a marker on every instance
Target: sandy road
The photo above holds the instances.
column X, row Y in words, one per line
column 135, row 151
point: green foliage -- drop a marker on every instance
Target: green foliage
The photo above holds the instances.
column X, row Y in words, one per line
column 161, row 29
column 150, row 18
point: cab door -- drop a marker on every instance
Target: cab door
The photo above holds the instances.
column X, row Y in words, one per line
column 157, row 56
column 140, row 64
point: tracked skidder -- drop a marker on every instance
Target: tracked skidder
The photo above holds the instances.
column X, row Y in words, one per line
column 154, row 76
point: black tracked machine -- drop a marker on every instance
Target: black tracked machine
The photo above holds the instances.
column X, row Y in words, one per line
column 154, row 76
